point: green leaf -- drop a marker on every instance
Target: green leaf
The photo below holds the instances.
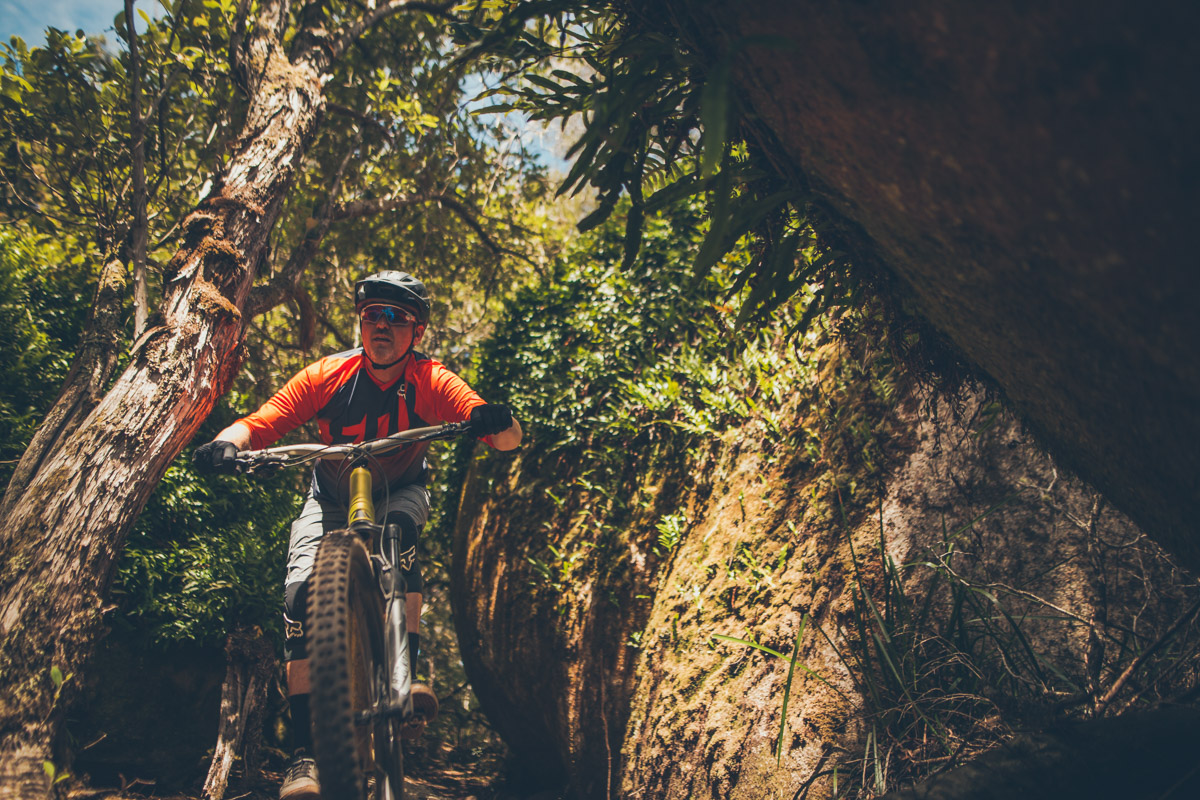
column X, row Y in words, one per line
column 713, row 247
column 570, row 76
column 749, row 643
column 56, row 676
column 498, row 108
column 714, row 115
column 582, row 164
column 774, row 285
column 545, row 83
column 722, row 238
column 685, row 186
column 599, row 215
column 787, row 689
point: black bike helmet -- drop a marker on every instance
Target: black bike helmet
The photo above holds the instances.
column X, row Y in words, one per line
column 393, row 286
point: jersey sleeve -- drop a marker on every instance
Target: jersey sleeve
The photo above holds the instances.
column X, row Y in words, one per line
column 292, row 406
column 449, row 398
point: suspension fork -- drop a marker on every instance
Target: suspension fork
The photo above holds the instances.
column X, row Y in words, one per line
column 386, row 543
column 396, row 622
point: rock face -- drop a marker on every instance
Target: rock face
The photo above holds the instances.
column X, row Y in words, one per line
column 1029, row 172
column 546, row 595
column 907, row 559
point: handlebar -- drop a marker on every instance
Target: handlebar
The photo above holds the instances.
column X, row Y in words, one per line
column 296, row 454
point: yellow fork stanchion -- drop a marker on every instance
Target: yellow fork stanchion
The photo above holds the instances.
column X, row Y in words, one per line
column 362, row 509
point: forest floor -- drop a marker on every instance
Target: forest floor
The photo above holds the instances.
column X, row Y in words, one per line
column 427, row 782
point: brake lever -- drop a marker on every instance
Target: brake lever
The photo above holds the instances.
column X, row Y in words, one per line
column 262, row 465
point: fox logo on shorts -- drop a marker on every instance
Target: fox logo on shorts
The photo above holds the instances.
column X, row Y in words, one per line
column 292, row 629
column 408, row 558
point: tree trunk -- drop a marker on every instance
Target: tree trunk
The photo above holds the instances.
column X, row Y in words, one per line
column 61, row 538
column 251, row 662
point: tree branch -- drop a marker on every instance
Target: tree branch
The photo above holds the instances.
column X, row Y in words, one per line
column 137, row 156
column 366, row 208
column 363, row 208
column 1120, row 682
column 368, row 20
column 365, row 119
column 338, row 334
column 250, row 47
column 152, row 106
column 287, row 282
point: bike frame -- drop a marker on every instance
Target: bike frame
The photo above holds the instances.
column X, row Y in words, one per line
column 384, row 540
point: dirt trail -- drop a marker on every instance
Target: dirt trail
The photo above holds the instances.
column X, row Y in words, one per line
column 429, row 783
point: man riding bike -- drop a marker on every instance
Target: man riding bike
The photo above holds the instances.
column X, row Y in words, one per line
column 381, row 388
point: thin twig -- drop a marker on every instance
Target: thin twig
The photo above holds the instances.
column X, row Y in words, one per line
column 1024, row 594
column 287, row 282
column 802, row 792
column 365, row 119
column 1137, row 662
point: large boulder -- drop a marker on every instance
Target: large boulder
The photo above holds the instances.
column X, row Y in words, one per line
column 588, row 609
column 1029, row 173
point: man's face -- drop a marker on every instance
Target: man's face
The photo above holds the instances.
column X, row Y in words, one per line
column 388, row 331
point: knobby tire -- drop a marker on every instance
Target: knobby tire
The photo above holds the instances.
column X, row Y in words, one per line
column 347, row 668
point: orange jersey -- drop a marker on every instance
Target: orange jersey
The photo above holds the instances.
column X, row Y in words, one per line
column 351, row 406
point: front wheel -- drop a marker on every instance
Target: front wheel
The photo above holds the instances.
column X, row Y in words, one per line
column 349, row 670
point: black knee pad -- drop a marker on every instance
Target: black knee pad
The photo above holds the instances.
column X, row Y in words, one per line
column 295, row 616
column 409, row 567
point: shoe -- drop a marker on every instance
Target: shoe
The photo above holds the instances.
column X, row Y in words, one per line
column 425, row 702
column 300, row 782
column 425, row 709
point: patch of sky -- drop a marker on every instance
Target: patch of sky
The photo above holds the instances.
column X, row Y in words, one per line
column 30, row 18
column 549, row 142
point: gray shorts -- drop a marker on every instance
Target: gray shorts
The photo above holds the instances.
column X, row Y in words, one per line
column 319, row 516
column 407, row 506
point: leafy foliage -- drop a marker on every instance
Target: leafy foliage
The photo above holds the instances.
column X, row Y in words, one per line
column 612, row 368
column 44, row 300
column 65, row 127
column 589, row 345
column 207, row 553
column 662, row 123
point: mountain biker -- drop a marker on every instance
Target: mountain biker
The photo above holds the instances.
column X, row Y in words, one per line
column 382, row 387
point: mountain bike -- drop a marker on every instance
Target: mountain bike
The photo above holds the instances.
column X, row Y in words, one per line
column 361, row 694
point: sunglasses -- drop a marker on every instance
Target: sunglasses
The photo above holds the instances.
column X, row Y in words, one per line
column 394, row 315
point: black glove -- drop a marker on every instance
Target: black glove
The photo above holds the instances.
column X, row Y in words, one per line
column 216, row 456
column 490, row 419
